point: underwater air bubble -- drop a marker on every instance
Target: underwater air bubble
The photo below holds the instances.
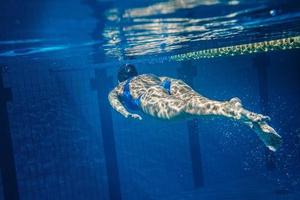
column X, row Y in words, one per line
column 273, row 12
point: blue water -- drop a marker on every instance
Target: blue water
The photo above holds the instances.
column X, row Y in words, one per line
column 60, row 139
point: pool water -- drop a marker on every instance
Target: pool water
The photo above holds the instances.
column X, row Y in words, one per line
column 60, row 139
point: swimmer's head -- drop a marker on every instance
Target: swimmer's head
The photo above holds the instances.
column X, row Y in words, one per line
column 126, row 71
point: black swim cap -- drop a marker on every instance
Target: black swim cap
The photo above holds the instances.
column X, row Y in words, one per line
column 126, row 71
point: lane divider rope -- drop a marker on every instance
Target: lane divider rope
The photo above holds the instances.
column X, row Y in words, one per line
column 242, row 49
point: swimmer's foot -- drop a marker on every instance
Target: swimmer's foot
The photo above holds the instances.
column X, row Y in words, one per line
column 235, row 106
column 254, row 117
column 268, row 135
column 258, row 117
column 257, row 122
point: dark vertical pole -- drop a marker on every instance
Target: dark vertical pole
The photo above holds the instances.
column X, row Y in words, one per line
column 261, row 62
column 187, row 73
column 8, row 169
column 100, row 84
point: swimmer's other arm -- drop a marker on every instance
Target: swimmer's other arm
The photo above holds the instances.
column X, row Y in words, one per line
column 114, row 101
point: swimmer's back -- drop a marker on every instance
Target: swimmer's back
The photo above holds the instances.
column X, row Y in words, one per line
column 139, row 84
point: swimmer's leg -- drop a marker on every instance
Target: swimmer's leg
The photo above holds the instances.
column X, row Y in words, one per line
column 200, row 105
column 233, row 109
column 195, row 104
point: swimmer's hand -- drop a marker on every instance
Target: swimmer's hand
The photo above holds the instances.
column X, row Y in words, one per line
column 134, row 116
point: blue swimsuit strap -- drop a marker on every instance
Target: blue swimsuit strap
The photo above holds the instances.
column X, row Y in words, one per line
column 128, row 97
column 126, row 90
column 167, row 85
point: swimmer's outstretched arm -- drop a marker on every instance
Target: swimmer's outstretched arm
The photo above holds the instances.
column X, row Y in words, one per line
column 114, row 101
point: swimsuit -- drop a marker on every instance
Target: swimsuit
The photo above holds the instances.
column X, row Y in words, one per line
column 134, row 104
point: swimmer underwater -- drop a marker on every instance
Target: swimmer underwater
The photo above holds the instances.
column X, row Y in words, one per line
column 168, row 98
